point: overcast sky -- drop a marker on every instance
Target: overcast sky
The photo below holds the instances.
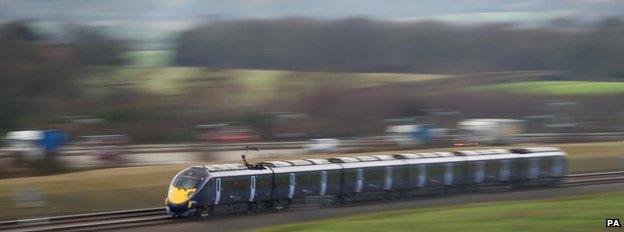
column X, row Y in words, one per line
column 157, row 18
column 464, row 10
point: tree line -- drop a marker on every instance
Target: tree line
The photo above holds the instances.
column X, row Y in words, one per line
column 40, row 74
column 365, row 45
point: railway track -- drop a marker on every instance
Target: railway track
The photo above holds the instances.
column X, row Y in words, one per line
column 155, row 216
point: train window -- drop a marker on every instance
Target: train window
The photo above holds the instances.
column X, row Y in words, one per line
column 307, row 182
column 399, row 176
column 349, row 179
column 190, row 178
column 479, row 171
column 422, row 175
column 492, row 170
column 236, row 186
column 263, row 182
column 557, row 167
column 448, row 174
column 545, row 165
column 375, row 177
column 458, row 172
column 435, row 174
column 505, row 170
column 533, row 171
column 334, row 180
column 263, row 185
column 282, row 183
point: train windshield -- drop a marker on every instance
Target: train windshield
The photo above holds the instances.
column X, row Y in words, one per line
column 189, row 178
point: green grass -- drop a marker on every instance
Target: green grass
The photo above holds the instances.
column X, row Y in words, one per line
column 557, row 87
column 140, row 187
column 580, row 213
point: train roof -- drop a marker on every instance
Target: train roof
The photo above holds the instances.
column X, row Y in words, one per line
column 319, row 161
column 225, row 167
column 526, row 150
column 299, row 162
column 406, row 156
column 291, row 163
column 368, row 160
column 343, row 159
column 384, row 157
column 276, row 164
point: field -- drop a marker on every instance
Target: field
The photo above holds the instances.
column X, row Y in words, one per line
column 140, row 187
column 557, row 87
column 579, row 213
column 251, row 85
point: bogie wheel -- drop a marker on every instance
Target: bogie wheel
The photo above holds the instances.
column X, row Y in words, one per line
column 203, row 212
column 253, row 207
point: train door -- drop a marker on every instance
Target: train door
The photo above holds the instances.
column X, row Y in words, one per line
column 388, row 179
column 448, row 174
column 291, row 185
column 217, row 195
column 359, row 180
column 252, row 188
column 323, row 183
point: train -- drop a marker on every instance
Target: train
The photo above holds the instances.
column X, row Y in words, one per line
column 200, row 191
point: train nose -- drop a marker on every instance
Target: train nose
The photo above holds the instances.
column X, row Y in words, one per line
column 179, row 196
column 179, row 201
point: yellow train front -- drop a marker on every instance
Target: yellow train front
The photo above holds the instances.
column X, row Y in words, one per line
column 186, row 192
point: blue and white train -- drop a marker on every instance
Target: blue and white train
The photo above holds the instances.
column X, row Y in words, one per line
column 204, row 190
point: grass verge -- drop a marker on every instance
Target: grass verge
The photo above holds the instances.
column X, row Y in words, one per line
column 579, row 213
column 557, row 87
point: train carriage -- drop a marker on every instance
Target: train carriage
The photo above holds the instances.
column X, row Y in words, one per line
column 366, row 177
column 199, row 190
column 540, row 165
column 301, row 178
column 483, row 168
column 430, row 173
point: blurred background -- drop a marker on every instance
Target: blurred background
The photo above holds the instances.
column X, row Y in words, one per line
column 87, row 87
